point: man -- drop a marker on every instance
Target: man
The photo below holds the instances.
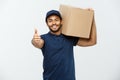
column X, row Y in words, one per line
column 57, row 49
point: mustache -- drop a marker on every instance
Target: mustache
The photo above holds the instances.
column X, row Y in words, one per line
column 54, row 25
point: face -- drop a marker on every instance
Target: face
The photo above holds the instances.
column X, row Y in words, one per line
column 54, row 23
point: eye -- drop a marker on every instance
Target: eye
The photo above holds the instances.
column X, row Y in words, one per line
column 56, row 19
column 49, row 21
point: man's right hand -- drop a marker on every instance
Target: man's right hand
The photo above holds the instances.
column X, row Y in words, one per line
column 37, row 41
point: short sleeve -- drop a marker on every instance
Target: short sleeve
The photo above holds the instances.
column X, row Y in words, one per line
column 43, row 37
column 75, row 40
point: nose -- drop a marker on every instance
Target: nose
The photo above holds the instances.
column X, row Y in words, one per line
column 53, row 22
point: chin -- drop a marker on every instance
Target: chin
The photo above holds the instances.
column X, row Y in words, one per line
column 54, row 30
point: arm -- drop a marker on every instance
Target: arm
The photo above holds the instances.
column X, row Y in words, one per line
column 37, row 41
column 91, row 41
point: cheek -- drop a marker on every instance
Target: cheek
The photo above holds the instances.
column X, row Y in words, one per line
column 49, row 24
column 58, row 23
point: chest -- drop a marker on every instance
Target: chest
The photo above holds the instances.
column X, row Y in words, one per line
column 57, row 43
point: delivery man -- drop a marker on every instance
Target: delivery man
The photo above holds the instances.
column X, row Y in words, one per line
column 57, row 49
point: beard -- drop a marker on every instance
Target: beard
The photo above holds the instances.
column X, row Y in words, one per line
column 54, row 31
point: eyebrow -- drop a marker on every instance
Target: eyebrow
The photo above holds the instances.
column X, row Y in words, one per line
column 52, row 19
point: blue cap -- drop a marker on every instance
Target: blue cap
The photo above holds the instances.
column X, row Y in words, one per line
column 53, row 12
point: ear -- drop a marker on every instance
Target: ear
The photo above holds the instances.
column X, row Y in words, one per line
column 46, row 22
column 61, row 22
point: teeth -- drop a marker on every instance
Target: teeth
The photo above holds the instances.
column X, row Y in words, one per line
column 54, row 26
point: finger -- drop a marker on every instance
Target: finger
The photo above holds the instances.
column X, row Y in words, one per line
column 36, row 36
column 90, row 9
column 36, row 40
column 36, row 31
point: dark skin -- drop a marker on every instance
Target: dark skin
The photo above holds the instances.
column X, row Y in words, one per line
column 54, row 24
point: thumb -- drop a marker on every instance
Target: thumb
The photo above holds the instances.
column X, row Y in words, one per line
column 36, row 31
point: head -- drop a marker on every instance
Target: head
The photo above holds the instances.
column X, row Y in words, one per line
column 54, row 20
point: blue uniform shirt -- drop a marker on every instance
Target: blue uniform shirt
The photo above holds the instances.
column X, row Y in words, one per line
column 58, row 63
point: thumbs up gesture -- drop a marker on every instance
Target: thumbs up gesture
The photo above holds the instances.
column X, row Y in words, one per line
column 36, row 36
column 37, row 41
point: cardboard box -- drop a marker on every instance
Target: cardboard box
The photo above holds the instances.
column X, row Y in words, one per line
column 76, row 21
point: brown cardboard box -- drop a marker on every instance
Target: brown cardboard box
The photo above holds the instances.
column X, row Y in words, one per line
column 76, row 21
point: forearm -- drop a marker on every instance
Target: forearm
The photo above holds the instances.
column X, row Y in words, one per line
column 38, row 43
column 91, row 41
column 93, row 35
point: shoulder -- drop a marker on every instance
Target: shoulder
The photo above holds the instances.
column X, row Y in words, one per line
column 43, row 36
column 72, row 39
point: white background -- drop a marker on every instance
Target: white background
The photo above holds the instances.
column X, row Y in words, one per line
column 19, row 60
